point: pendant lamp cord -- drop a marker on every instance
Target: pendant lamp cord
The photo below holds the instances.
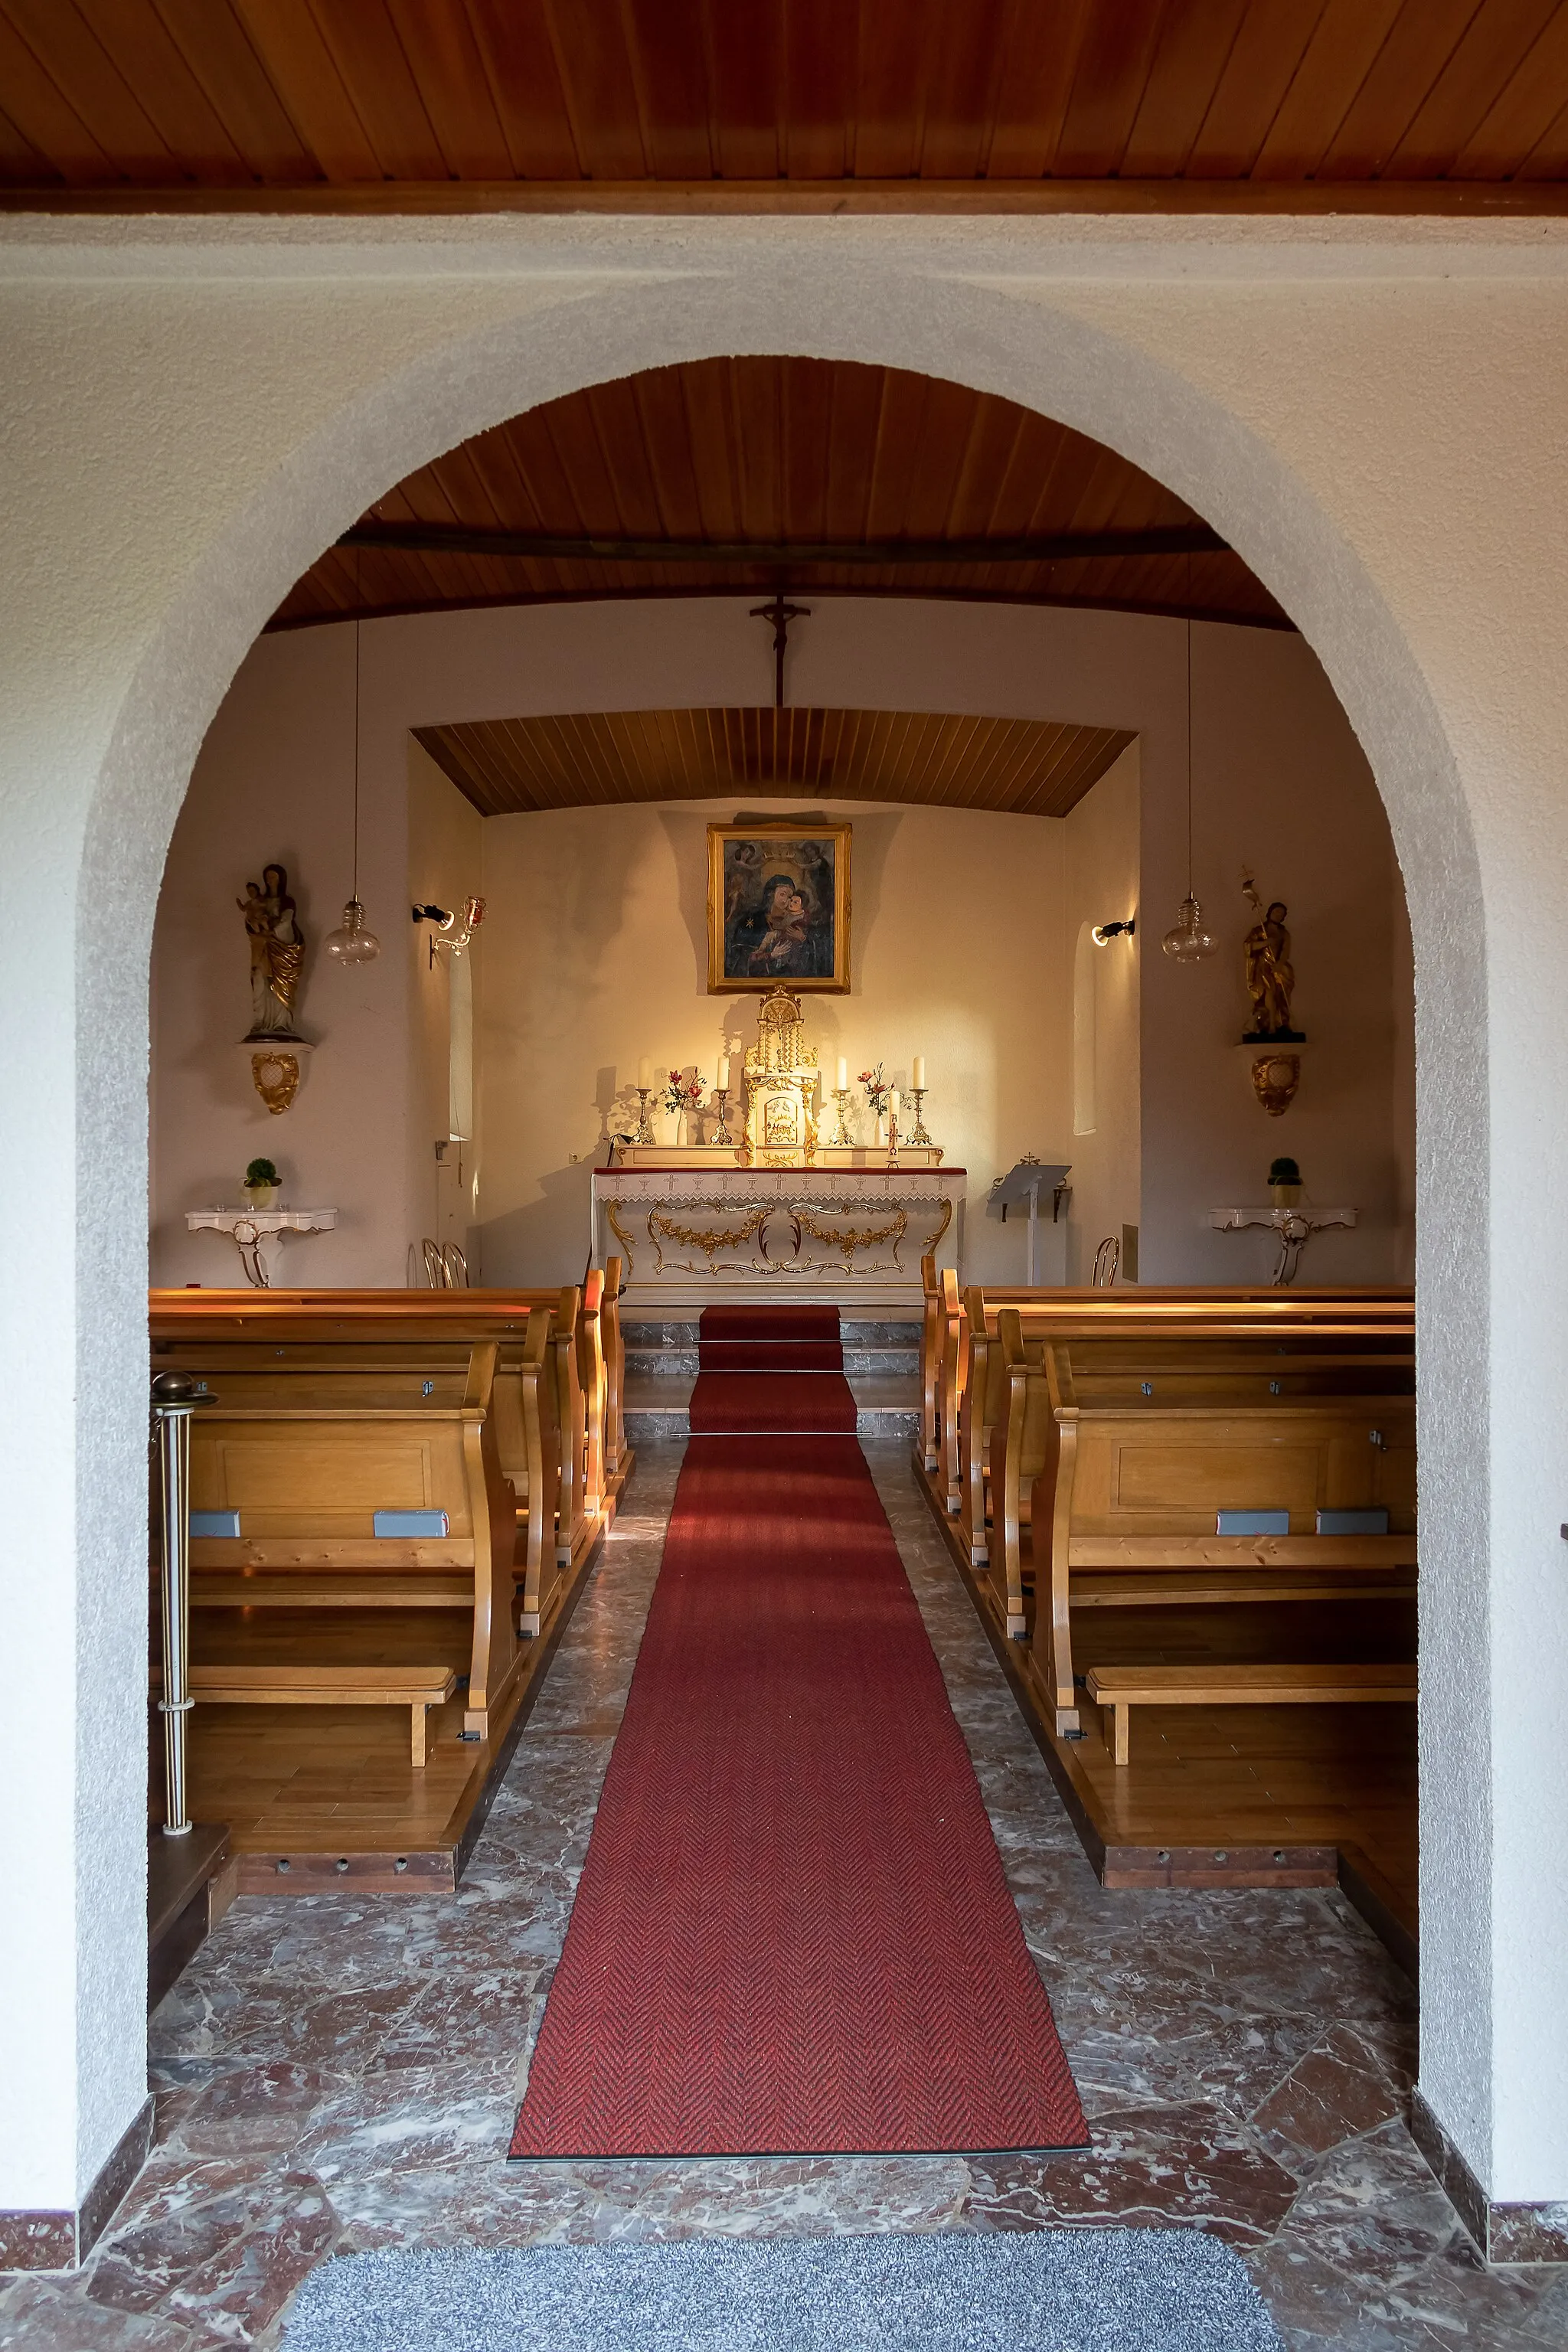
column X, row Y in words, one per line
column 355, row 893
column 1189, row 723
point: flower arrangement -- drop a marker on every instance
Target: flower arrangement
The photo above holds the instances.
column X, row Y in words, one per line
column 877, row 1089
column 683, row 1093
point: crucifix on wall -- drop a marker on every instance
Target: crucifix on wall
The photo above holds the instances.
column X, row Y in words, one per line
column 780, row 614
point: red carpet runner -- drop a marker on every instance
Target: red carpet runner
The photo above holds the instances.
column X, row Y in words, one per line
column 792, row 1935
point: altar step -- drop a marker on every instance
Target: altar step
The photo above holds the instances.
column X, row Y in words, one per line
column 881, row 1363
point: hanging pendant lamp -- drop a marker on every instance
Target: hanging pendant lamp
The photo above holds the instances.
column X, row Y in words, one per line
column 1187, row 941
column 351, row 942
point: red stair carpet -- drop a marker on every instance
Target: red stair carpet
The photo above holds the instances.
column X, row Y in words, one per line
column 792, row 1935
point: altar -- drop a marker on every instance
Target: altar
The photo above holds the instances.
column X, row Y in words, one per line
column 846, row 1237
column 781, row 1210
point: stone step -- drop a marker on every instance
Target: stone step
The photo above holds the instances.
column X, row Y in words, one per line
column 681, row 1363
column 658, row 1408
column 853, row 1330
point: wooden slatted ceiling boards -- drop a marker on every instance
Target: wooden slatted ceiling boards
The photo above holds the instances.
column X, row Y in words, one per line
column 1023, row 767
column 770, row 451
column 340, row 102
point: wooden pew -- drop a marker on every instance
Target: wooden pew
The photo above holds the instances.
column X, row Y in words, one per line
column 1116, row 1455
column 1119, row 1690
column 615, row 1360
column 931, row 1360
column 308, row 1457
column 973, row 1383
column 585, row 1356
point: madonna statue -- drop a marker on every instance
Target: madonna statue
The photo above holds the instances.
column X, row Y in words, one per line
column 277, row 955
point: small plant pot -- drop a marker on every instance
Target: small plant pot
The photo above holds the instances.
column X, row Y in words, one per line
column 1285, row 1196
column 261, row 1196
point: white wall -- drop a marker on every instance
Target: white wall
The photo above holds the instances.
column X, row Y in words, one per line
column 1370, row 410
column 275, row 782
column 595, row 953
column 1102, row 838
column 446, row 865
column 593, row 950
column 1279, row 784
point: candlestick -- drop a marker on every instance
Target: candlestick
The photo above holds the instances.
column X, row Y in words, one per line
column 917, row 1095
column 722, row 1134
column 843, row 1085
column 723, row 1084
column 645, row 1076
column 918, row 1075
column 895, row 1102
column 842, row 1140
column 645, row 1133
column 893, row 1129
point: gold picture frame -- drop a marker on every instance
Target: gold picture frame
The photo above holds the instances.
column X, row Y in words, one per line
column 778, row 908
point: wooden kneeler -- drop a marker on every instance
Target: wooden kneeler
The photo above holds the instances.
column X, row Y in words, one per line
column 1119, row 1690
column 419, row 1689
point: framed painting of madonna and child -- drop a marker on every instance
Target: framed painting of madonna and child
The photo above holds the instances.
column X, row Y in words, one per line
column 778, row 908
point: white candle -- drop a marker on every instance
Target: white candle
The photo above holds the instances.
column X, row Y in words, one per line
column 893, row 1103
column 843, row 1076
column 645, row 1074
column 723, row 1074
column 918, row 1074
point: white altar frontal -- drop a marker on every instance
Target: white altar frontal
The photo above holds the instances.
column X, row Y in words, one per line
column 693, row 1236
column 781, row 1212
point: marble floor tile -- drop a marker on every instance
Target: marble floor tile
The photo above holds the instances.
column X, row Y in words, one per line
column 336, row 2072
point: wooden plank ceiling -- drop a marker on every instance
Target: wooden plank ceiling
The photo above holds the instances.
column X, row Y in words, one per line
column 900, row 485
column 1021, row 767
column 412, row 103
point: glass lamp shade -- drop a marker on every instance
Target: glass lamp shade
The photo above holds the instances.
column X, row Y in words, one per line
column 351, row 942
column 1187, row 941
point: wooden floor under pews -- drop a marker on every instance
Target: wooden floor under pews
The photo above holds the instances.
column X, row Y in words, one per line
column 317, row 1796
column 1307, row 1791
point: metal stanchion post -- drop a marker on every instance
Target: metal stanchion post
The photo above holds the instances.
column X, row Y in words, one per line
column 173, row 1401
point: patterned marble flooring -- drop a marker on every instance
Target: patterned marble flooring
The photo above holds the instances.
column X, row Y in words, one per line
column 335, row 2073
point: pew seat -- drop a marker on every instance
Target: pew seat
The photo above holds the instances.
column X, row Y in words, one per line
column 223, row 1589
column 417, row 1687
column 1119, row 1690
column 1179, row 1588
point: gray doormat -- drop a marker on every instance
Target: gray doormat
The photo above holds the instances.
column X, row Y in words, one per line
column 1035, row 2291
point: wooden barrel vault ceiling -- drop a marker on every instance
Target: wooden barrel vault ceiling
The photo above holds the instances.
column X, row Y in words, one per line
column 745, row 475
column 397, row 105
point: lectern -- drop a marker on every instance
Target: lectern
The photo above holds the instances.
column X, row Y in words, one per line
column 1025, row 1181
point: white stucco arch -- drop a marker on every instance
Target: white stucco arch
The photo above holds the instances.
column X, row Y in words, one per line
column 271, row 384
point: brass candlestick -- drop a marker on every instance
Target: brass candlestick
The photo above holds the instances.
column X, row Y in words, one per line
column 892, row 1139
column 722, row 1132
column 842, row 1140
column 645, row 1132
column 917, row 1132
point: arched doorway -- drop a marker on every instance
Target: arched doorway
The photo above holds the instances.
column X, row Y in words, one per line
column 1124, row 373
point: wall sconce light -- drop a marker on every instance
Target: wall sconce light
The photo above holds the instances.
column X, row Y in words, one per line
column 1103, row 933
column 446, row 933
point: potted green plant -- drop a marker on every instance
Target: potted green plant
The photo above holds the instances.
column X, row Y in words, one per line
column 1284, row 1184
column 261, row 1182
